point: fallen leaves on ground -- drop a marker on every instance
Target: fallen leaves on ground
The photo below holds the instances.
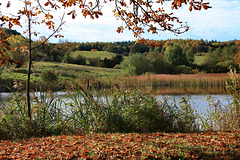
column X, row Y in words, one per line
column 203, row 145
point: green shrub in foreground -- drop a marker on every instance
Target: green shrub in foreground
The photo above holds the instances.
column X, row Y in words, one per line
column 86, row 111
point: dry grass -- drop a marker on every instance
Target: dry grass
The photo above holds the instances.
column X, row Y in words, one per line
column 183, row 80
column 168, row 77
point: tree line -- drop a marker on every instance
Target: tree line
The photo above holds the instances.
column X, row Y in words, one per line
column 171, row 56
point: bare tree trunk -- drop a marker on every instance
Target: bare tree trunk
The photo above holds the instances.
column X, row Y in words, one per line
column 29, row 69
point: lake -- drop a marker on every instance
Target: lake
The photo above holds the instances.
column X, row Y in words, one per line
column 198, row 97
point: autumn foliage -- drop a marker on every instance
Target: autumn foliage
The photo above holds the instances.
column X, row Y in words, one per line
column 237, row 56
column 205, row 145
column 4, row 47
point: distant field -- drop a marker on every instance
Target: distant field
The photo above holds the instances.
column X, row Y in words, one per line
column 94, row 54
column 198, row 60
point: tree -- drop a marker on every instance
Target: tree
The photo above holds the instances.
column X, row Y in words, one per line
column 18, row 52
column 136, row 64
column 174, row 55
column 237, row 56
column 159, row 65
column 142, row 13
column 4, row 49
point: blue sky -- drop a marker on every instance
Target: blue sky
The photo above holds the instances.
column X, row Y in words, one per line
column 221, row 23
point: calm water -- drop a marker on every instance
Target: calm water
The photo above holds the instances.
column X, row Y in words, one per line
column 198, row 101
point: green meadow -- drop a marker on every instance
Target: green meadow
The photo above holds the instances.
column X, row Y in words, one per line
column 93, row 54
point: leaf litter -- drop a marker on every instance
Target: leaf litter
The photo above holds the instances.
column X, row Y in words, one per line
column 202, row 145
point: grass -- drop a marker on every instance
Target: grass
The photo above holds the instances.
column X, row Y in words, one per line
column 66, row 72
column 76, row 70
column 182, row 80
column 88, row 111
column 93, row 54
column 198, row 60
column 97, row 76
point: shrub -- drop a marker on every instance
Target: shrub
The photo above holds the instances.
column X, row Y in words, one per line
column 175, row 56
column 49, row 76
column 93, row 61
column 159, row 65
column 80, row 60
column 117, row 66
column 136, row 64
column 183, row 69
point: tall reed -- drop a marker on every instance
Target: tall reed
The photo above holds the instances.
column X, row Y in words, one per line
column 85, row 110
column 47, row 115
column 224, row 117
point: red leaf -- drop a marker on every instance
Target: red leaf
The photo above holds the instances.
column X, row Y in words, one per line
column 46, row 4
column 8, row 4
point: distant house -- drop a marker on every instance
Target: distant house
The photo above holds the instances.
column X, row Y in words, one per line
column 92, row 50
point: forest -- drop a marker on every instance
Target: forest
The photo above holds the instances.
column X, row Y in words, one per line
column 173, row 56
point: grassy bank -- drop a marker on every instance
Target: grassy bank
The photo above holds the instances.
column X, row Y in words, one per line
column 67, row 72
column 101, row 77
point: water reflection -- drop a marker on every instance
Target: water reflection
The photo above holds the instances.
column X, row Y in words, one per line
column 197, row 97
column 199, row 102
column 207, row 90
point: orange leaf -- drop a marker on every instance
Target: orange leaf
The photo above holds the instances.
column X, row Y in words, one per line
column 90, row 3
column 190, row 8
column 188, row 155
column 120, row 29
column 46, row 4
column 10, row 25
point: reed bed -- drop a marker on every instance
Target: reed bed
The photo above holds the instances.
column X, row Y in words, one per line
column 83, row 110
column 182, row 80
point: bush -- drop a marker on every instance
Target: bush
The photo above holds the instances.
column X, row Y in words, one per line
column 80, row 60
column 175, row 56
column 136, row 64
column 183, row 69
column 117, row 66
column 49, row 76
column 159, row 65
column 93, row 61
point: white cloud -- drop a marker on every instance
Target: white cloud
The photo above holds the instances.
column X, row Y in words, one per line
column 221, row 22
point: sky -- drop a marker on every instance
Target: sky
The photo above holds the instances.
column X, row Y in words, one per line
column 221, row 23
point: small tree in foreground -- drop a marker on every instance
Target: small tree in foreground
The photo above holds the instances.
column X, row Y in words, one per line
column 136, row 14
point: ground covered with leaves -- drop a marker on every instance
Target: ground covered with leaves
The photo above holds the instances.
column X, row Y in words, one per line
column 203, row 145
